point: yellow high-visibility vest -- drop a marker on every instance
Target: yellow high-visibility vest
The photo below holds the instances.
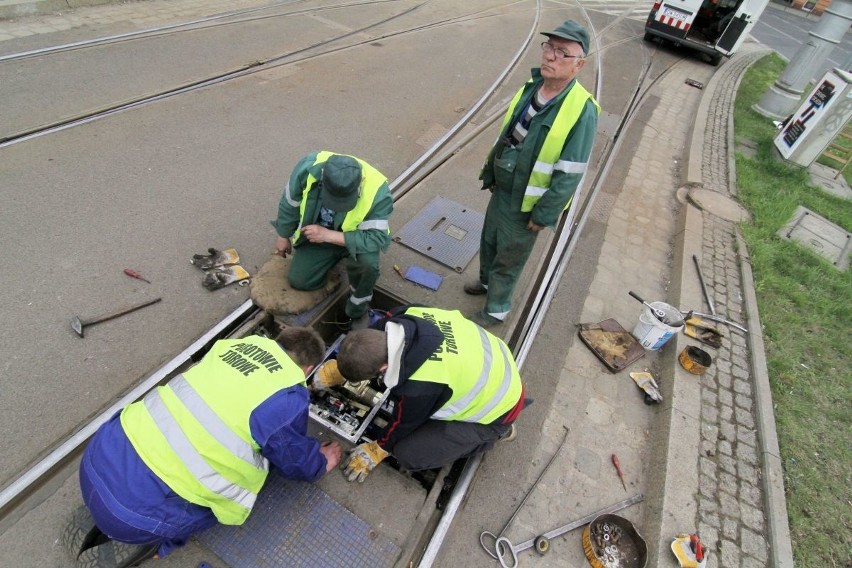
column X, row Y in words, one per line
column 194, row 434
column 371, row 180
column 475, row 364
column 548, row 157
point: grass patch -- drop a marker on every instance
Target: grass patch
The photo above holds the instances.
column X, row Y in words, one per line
column 806, row 312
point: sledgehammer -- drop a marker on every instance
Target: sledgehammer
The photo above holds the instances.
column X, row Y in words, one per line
column 77, row 324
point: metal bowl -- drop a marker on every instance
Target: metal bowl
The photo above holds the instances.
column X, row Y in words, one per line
column 611, row 541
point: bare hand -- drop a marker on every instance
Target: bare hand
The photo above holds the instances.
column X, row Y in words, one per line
column 534, row 228
column 332, row 452
column 283, row 247
column 315, row 233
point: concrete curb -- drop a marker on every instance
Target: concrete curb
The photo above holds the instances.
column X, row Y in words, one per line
column 781, row 554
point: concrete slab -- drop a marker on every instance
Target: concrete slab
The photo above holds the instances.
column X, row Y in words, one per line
column 828, row 180
column 817, row 233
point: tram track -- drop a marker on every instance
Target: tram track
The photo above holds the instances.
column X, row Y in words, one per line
column 307, row 53
column 13, row 497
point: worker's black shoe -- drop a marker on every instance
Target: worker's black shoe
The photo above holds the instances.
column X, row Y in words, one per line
column 362, row 322
column 510, row 434
column 475, row 288
column 483, row 319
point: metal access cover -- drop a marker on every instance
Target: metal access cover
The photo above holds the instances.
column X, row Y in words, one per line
column 295, row 524
column 446, row 231
column 820, row 235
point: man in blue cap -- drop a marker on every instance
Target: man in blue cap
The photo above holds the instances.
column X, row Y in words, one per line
column 535, row 167
column 334, row 207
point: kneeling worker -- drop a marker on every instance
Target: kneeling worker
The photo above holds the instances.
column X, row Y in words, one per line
column 197, row 450
column 335, row 206
column 455, row 387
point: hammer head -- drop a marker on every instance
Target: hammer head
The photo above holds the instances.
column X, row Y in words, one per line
column 77, row 325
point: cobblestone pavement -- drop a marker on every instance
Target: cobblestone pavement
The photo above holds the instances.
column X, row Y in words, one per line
column 734, row 504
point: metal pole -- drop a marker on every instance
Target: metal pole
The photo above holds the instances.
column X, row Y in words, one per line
column 782, row 98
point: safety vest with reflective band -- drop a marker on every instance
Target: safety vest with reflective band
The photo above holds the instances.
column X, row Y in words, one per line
column 548, row 157
column 194, row 434
column 371, row 180
column 476, row 365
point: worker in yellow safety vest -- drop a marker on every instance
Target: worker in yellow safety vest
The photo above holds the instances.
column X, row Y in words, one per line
column 335, row 206
column 454, row 386
column 197, row 450
column 535, row 168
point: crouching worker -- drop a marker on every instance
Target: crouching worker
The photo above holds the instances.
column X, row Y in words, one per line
column 334, row 207
column 455, row 387
column 197, row 450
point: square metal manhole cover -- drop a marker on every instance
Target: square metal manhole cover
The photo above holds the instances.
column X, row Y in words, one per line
column 445, row 231
column 820, row 235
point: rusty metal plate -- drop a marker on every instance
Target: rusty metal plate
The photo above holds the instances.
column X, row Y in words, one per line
column 611, row 343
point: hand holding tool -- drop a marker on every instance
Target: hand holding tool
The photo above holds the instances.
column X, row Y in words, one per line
column 658, row 313
column 77, row 323
column 327, row 376
column 362, row 460
column 133, row 274
column 617, row 465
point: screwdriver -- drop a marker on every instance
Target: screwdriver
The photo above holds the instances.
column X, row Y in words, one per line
column 617, row 465
column 133, row 274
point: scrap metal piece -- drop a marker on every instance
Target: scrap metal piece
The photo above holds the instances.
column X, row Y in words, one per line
column 611, row 343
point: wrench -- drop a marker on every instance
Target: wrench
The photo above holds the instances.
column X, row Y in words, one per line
column 508, row 552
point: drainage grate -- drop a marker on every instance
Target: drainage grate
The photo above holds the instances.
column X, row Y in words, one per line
column 445, row 231
column 295, row 524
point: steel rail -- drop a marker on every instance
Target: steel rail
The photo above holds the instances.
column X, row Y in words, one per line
column 169, row 29
column 104, row 40
column 462, row 487
column 13, row 492
column 248, row 69
column 561, row 254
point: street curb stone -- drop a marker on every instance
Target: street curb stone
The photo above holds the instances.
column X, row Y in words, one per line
column 740, row 536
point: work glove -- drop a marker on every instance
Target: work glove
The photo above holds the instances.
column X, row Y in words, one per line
column 646, row 382
column 703, row 331
column 215, row 258
column 362, row 459
column 327, row 376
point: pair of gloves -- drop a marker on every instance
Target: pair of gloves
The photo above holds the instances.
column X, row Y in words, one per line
column 364, row 457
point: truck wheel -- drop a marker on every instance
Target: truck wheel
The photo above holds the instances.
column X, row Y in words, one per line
column 715, row 59
column 648, row 37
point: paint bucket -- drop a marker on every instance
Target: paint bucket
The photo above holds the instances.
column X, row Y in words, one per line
column 652, row 333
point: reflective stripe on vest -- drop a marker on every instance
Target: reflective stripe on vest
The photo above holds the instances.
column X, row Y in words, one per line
column 194, row 433
column 371, row 180
column 475, row 364
column 548, row 157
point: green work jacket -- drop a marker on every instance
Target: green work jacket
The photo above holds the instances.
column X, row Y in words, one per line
column 575, row 152
column 365, row 228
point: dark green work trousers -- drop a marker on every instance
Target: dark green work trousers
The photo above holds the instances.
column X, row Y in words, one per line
column 505, row 246
column 312, row 262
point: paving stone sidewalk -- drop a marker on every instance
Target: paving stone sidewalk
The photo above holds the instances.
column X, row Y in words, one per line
column 741, row 509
